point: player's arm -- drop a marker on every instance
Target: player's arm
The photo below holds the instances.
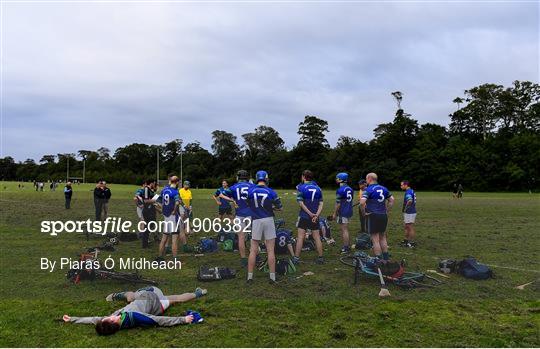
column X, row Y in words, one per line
column 225, row 197
column 337, row 206
column 216, row 198
column 389, row 203
column 409, row 202
column 277, row 205
column 363, row 203
column 90, row 320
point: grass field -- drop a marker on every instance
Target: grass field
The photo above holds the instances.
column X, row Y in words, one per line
column 320, row 310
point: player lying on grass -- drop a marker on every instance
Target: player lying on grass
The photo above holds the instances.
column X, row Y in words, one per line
column 146, row 307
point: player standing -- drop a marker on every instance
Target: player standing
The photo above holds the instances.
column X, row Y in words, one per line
column 374, row 206
column 409, row 214
column 262, row 202
column 362, row 184
column 309, row 197
column 243, row 212
column 170, row 201
column 343, row 210
column 224, row 205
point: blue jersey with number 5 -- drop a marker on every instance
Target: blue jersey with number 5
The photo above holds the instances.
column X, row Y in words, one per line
column 240, row 196
column 376, row 196
column 311, row 195
column 344, row 196
column 169, row 197
column 262, row 201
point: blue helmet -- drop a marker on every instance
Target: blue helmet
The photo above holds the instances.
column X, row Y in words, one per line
column 261, row 176
column 342, row 177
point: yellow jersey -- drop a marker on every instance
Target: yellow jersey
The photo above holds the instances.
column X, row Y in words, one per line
column 185, row 195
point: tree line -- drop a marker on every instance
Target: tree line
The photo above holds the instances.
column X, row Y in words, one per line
column 492, row 143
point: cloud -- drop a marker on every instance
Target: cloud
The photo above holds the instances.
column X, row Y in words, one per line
column 82, row 75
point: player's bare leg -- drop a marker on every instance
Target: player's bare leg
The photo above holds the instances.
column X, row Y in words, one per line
column 253, row 251
column 299, row 243
column 318, row 242
column 344, row 227
column 174, row 245
column 271, row 258
column 186, row 297
column 163, row 244
column 384, row 245
column 376, row 244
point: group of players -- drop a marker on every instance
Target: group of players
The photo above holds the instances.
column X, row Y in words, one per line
column 255, row 203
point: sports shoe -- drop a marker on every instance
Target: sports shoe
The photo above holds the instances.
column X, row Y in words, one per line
column 404, row 242
column 345, row 249
column 249, row 281
column 117, row 296
column 319, row 260
column 159, row 259
column 296, row 260
column 272, row 282
column 199, row 292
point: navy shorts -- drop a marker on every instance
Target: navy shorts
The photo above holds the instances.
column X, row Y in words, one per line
column 376, row 223
column 307, row 224
column 224, row 210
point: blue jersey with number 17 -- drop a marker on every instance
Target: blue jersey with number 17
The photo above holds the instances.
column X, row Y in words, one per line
column 376, row 196
column 169, row 197
column 311, row 195
column 240, row 196
column 344, row 196
column 262, row 201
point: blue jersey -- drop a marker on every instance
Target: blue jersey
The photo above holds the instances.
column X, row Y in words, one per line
column 169, row 198
column 410, row 195
column 240, row 195
column 311, row 195
column 227, row 192
column 261, row 201
column 376, row 196
column 130, row 319
column 140, row 193
column 283, row 239
column 344, row 196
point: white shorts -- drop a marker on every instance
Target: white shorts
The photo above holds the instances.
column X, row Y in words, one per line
column 170, row 226
column 342, row 220
column 244, row 222
column 263, row 229
column 409, row 218
column 139, row 212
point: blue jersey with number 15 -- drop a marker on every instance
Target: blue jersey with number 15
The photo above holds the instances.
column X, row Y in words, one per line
column 240, row 196
column 376, row 196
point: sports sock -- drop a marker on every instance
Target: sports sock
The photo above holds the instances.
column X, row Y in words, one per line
column 199, row 292
column 250, row 276
column 385, row 256
column 273, row 276
column 119, row 296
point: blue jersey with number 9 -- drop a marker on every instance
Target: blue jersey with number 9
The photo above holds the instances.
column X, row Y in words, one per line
column 376, row 196
column 169, row 197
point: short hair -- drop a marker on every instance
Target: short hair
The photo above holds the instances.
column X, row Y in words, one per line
column 174, row 179
column 224, row 180
column 106, row 328
column 405, row 182
column 372, row 175
column 362, row 182
column 172, row 174
column 308, row 175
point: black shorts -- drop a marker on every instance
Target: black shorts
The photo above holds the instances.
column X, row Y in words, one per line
column 376, row 223
column 307, row 224
column 225, row 210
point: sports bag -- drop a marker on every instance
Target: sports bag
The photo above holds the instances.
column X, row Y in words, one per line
column 471, row 269
column 363, row 242
column 207, row 245
column 215, row 273
column 448, row 266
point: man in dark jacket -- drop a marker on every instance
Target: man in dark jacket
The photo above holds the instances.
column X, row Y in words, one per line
column 149, row 210
column 68, row 192
column 99, row 199
column 105, row 204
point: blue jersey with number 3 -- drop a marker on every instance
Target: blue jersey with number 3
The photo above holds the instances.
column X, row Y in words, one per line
column 262, row 201
column 311, row 195
column 240, row 196
column 376, row 196
column 344, row 196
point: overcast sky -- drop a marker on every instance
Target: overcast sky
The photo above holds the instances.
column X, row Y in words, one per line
column 83, row 76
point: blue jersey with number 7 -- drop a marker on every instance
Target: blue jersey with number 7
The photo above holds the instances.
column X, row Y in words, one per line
column 376, row 196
